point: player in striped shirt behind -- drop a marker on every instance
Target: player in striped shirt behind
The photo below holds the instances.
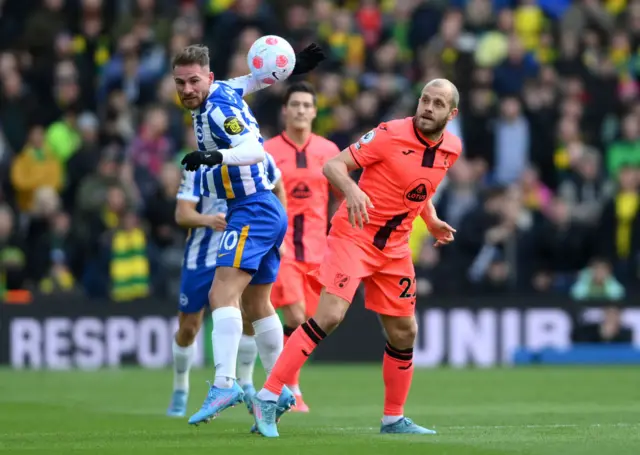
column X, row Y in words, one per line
column 205, row 217
column 247, row 263
column 300, row 155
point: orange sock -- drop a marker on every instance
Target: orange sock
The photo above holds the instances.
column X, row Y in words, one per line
column 397, row 371
column 298, row 349
column 295, row 379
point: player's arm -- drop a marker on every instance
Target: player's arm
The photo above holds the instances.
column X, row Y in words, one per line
column 275, row 177
column 337, row 172
column 186, row 214
column 440, row 230
column 188, row 217
column 226, row 122
column 246, row 85
column 280, row 193
column 366, row 152
column 429, row 214
column 306, row 60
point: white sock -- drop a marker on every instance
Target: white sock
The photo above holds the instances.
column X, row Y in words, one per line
column 227, row 331
column 388, row 420
column 182, row 360
column 247, row 355
column 266, row 395
column 295, row 389
column 269, row 339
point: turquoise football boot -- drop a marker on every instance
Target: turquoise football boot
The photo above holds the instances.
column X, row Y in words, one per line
column 217, row 401
column 178, row 405
column 249, row 393
column 406, row 426
column 285, row 402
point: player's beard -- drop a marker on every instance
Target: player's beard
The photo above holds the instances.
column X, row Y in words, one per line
column 435, row 129
column 195, row 101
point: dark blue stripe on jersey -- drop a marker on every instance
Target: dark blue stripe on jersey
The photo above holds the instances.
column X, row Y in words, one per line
column 197, row 182
column 199, row 127
column 271, row 170
column 205, row 183
column 216, row 174
column 255, row 176
column 236, row 181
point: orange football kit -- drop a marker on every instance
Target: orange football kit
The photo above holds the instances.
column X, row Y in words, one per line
column 402, row 170
column 307, row 208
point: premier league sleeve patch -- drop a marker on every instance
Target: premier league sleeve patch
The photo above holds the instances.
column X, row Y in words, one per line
column 368, row 137
column 233, row 126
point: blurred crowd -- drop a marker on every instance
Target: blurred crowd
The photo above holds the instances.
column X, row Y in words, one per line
column 546, row 198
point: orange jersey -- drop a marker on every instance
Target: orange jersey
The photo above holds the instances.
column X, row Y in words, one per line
column 402, row 170
column 307, row 193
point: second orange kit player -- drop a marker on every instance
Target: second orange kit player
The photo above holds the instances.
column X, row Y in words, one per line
column 301, row 155
column 404, row 161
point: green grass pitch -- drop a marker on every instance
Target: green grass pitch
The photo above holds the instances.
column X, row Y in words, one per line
column 581, row 411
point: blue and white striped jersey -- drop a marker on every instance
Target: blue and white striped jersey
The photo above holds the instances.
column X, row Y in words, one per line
column 203, row 243
column 225, row 121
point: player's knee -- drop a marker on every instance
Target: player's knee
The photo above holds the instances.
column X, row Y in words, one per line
column 294, row 315
column 329, row 319
column 227, row 287
column 330, row 312
column 402, row 332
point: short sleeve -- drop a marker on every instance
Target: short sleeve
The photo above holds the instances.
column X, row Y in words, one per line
column 273, row 172
column 190, row 186
column 331, row 151
column 370, row 148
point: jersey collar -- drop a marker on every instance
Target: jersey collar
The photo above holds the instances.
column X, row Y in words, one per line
column 288, row 140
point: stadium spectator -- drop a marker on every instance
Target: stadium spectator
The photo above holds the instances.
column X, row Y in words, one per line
column 33, row 168
column 610, row 330
column 597, row 282
column 550, row 109
column 619, row 227
column 13, row 262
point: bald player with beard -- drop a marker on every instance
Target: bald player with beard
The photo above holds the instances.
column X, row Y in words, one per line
column 403, row 163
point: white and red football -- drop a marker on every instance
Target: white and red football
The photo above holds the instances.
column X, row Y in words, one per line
column 271, row 59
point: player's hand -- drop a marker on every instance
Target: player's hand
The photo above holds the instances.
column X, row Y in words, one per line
column 192, row 161
column 357, row 204
column 218, row 222
column 307, row 59
column 282, row 250
column 441, row 231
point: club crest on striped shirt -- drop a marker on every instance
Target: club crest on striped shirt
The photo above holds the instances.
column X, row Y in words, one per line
column 341, row 280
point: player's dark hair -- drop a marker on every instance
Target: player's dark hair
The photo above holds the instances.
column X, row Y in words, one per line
column 299, row 87
column 194, row 54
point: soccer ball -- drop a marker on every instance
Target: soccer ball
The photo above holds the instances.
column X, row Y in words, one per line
column 271, row 59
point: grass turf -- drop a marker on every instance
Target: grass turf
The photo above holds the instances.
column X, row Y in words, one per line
column 476, row 412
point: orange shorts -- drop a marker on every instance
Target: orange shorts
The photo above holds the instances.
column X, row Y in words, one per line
column 389, row 283
column 293, row 286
